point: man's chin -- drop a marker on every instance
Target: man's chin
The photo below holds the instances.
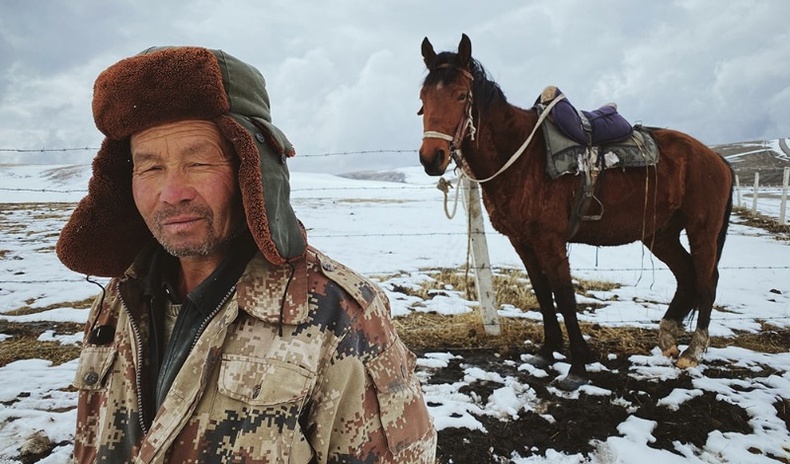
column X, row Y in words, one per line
column 183, row 249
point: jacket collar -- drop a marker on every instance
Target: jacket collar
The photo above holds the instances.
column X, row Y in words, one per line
column 275, row 294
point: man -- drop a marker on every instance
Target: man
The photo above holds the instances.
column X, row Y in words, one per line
column 222, row 335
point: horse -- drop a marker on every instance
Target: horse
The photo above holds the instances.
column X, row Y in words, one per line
column 690, row 189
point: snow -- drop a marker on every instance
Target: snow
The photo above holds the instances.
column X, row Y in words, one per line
column 396, row 233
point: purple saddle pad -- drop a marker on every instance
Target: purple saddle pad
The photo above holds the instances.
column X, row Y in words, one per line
column 606, row 125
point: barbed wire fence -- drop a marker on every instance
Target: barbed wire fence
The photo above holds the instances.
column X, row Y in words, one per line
column 740, row 190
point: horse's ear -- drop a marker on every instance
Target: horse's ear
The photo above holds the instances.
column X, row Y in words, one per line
column 427, row 52
column 464, row 52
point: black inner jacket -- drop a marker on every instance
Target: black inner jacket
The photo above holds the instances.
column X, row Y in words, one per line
column 198, row 308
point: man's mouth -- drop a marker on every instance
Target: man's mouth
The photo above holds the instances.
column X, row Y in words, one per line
column 179, row 223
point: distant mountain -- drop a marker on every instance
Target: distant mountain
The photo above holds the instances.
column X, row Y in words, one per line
column 386, row 176
column 768, row 157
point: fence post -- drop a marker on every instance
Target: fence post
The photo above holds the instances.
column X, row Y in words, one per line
column 481, row 261
column 783, row 204
column 738, row 190
column 754, row 192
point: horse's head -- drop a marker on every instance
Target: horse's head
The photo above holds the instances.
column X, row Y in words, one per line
column 446, row 96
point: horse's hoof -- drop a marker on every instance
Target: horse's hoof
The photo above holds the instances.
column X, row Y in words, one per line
column 684, row 362
column 571, row 382
column 540, row 362
column 671, row 352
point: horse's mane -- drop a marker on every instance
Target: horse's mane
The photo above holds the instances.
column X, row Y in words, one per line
column 484, row 89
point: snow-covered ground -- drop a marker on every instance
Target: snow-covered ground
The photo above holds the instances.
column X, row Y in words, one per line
column 387, row 228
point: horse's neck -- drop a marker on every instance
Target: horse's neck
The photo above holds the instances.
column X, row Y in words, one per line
column 501, row 130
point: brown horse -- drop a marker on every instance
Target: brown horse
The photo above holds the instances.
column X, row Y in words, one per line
column 690, row 188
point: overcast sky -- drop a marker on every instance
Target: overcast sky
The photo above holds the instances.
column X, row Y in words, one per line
column 344, row 76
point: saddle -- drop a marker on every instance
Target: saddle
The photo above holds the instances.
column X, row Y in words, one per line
column 597, row 127
column 587, row 143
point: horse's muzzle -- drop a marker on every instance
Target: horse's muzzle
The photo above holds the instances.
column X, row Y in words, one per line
column 434, row 160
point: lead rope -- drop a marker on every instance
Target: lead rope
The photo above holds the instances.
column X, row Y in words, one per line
column 445, row 186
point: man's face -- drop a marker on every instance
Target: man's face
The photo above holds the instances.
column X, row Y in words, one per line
column 184, row 185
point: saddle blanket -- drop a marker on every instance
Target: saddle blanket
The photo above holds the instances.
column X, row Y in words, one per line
column 565, row 156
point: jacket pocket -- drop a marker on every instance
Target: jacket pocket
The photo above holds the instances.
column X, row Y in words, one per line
column 262, row 382
column 94, row 364
column 402, row 409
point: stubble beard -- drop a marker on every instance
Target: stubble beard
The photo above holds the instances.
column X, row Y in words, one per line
column 207, row 246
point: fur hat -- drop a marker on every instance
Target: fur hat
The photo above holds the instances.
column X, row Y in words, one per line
column 168, row 84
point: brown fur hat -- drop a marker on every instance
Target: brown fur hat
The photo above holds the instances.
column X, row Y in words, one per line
column 162, row 85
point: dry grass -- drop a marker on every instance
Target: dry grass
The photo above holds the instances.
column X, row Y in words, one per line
column 24, row 344
column 18, row 348
column 24, row 310
column 423, row 331
column 426, row 332
column 770, row 339
column 430, row 331
column 781, row 231
column 512, row 286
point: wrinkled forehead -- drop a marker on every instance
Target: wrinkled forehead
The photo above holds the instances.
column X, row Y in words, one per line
column 179, row 135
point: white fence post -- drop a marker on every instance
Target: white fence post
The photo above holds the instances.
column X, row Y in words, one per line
column 738, row 190
column 482, row 264
column 783, row 204
column 754, row 192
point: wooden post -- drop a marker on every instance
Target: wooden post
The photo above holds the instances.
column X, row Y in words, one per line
column 754, row 192
column 481, row 262
column 783, row 204
column 738, row 190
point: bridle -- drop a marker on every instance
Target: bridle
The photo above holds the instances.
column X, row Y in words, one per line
column 467, row 122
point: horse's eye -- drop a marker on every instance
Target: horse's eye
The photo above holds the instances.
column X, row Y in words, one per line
column 462, row 97
column 419, row 113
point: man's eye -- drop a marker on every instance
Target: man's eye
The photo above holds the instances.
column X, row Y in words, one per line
column 151, row 169
column 199, row 165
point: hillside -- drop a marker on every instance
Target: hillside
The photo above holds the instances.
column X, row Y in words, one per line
column 769, row 157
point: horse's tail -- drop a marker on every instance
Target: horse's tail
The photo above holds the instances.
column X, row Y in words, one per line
column 726, row 220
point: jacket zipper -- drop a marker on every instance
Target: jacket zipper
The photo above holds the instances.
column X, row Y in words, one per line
column 139, row 365
column 211, row 316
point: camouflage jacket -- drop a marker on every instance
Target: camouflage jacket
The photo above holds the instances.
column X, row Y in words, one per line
column 297, row 366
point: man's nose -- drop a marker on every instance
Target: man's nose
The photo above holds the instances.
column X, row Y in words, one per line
column 176, row 187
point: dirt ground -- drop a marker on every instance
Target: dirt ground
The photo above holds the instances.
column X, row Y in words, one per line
column 590, row 417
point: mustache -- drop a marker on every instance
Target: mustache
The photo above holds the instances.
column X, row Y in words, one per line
column 170, row 211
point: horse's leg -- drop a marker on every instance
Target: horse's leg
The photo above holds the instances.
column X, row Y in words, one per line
column 552, row 334
column 705, row 255
column 553, row 259
column 666, row 246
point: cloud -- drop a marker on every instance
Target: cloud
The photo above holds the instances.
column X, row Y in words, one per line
column 345, row 76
